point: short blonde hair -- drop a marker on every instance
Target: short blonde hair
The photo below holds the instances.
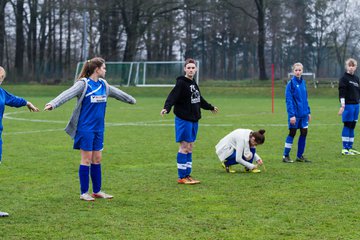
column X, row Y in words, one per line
column 298, row 64
column 2, row 73
column 350, row 62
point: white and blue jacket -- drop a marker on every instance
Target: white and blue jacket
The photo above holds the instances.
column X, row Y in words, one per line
column 296, row 98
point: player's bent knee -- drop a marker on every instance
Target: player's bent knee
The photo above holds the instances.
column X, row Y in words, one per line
column 303, row 132
column 348, row 124
column 292, row 132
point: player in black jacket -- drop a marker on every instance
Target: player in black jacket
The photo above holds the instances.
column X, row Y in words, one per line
column 187, row 101
column 349, row 94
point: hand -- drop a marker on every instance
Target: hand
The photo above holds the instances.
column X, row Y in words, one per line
column 293, row 120
column 31, row 107
column 248, row 156
column 341, row 110
column 48, row 107
column 260, row 162
column 309, row 118
column 215, row 110
column 164, row 111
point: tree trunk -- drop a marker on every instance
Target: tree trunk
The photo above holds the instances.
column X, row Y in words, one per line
column 43, row 35
column 2, row 31
column 68, row 38
column 31, row 38
column 20, row 41
column 261, row 38
column 59, row 65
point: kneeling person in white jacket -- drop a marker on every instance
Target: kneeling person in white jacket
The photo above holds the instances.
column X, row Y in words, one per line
column 239, row 146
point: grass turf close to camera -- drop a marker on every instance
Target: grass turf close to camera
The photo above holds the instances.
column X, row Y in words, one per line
column 40, row 188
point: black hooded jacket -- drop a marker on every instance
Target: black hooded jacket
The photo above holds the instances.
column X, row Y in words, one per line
column 187, row 100
column 349, row 88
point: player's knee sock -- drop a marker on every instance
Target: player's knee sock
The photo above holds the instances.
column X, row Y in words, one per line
column 351, row 137
column 95, row 173
column 288, row 145
column 301, row 146
column 84, row 178
column 188, row 164
column 181, row 164
column 345, row 135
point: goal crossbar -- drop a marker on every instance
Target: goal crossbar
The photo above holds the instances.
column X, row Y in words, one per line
column 143, row 73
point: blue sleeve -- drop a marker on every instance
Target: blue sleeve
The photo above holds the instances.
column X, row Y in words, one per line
column 13, row 101
column 289, row 101
column 307, row 102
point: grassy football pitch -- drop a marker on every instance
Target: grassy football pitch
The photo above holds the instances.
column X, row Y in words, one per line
column 40, row 189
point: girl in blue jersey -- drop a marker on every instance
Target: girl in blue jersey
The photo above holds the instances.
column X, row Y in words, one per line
column 349, row 95
column 187, row 101
column 298, row 111
column 86, row 125
column 7, row 99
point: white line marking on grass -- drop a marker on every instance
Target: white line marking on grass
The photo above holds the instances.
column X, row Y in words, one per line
column 155, row 123
column 32, row 132
column 7, row 116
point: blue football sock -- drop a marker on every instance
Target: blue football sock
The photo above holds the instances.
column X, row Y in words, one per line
column 301, row 146
column 95, row 173
column 351, row 137
column 345, row 135
column 84, row 178
column 288, row 145
column 188, row 164
column 181, row 164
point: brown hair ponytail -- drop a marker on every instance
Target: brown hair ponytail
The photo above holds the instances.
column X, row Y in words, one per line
column 259, row 136
column 90, row 66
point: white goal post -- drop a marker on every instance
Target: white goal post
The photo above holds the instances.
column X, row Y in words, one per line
column 307, row 74
column 143, row 74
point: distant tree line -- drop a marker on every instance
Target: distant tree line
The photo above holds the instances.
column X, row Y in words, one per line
column 42, row 40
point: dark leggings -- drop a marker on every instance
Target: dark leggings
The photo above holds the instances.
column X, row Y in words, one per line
column 303, row 132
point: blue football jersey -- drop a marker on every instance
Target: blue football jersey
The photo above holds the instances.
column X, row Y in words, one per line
column 92, row 115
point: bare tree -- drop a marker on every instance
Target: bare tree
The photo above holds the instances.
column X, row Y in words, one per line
column 260, row 20
column 136, row 17
column 20, row 40
column 345, row 32
column 2, row 30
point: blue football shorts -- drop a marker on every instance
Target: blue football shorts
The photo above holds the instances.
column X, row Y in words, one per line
column 300, row 123
column 89, row 141
column 351, row 113
column 185, row 130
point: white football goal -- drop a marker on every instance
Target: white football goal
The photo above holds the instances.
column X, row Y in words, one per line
column 143, row 74
column 306, row 74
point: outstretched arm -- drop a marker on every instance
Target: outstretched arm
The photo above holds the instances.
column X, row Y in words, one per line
column 120, row 95
column 65, row 96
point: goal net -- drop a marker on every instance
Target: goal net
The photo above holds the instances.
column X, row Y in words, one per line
column 143, row 74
